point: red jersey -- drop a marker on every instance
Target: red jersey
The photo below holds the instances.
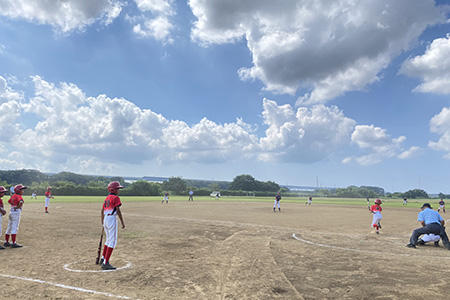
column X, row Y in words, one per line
column 376, row 208
column 1, row 202
column 15, row 199
column 110, row 204
column 48, row 194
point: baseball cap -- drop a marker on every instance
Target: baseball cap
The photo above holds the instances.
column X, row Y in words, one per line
column 426, row 205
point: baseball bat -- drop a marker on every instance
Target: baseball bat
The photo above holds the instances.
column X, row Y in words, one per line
column 99, row 248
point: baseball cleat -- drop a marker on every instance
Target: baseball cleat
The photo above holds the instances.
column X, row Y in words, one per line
column 409, row 245
column 420, row 242
column 436, row 244
column 107, row 266
column 6, row 244
column 15, row 245
column 1, row 248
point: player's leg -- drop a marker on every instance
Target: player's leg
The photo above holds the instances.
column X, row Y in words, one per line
column 47, row 202
column 9, row 229
column 1, row 217
column 110, row 225
column 15, row 229
column 375, row 223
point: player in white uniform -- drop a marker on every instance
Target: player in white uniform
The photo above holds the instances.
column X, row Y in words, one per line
column 376, row 210
column 166, row 198
column 111, row 209
column 277, row 202
column 309, row 200
column 2, row 209
column 48, row 196
column 16, row 202
column 191, row 196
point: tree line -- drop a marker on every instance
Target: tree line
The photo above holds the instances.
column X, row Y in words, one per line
column 67, row 183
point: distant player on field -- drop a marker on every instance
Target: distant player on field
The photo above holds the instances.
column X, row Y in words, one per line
column 48, row 196
column 441, row 205
column 405, row 201
column 376, row 211
column 277, row 202
column 2, row 209
column 111, row 209
column 166, row 197
column 191, row 196
column 34, row 195
column 309, row 201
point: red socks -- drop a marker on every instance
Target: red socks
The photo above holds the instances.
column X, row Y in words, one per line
column 107, row 251
column 108, row 254
column 13, row 238
column 7, row 238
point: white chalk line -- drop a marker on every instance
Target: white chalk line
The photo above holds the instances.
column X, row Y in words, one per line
column 66, row 286
column 364, row 251
column 67, row 268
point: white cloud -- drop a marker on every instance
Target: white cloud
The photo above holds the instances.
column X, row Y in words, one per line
column 158, row 28
column 327, row 47
column 155, row 20
column 433, row 67
column 76, row 129
column 9, row 111
column 377, row 144
column 411, row 152
column 305, row 135
column 440, row 124
column 64, row 16
column 87, row 134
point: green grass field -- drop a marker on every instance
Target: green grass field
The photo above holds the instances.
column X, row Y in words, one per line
column 301, row 200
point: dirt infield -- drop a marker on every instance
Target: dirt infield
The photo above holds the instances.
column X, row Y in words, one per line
column 222, row 250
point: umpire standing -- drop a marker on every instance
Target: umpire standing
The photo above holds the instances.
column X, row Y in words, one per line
column 432, row 222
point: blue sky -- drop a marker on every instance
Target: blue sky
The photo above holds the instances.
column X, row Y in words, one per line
column 298, row 92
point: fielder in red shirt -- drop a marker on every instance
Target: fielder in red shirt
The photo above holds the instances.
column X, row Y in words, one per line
column 376, row 210
column 16, row 202
column 111, row 208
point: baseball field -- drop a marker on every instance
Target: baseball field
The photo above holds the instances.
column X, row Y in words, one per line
column 232, row 248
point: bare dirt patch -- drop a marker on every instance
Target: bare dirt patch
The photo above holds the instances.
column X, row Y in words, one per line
column 222, row 250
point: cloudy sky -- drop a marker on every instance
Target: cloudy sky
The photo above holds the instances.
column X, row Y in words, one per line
column 325, row 93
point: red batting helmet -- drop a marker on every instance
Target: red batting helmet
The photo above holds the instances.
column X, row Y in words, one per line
column 378, row 201
column 18, row 188
column 49, row 188
column 2, row 189
column 114, row 186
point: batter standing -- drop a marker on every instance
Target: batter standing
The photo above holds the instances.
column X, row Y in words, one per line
column 111, row 208
column 48, row 196
column 16, row 202
column 441, row 205
column 376, row 210
column 2, row 209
